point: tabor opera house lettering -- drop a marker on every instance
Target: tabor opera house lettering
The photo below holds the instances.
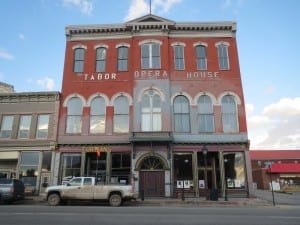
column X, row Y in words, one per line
column 100, row 76
column 202, row 75
column 151, row 74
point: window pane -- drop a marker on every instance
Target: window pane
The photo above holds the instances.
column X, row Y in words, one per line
column 121, row 115
column 75, row 106
column 71, row 165
column 97, row 124
column 98, row 106
column 24, row 126
column 229, row 114
column 30, row 158
column 42, row 127
column 234, row 165
column 6, row 126
column 201, row 57
column 78, row 60
column 223, row 57
column 73, row 124
column 121, row 105
column 100, row 59
column 74, row 115
column 122, row 59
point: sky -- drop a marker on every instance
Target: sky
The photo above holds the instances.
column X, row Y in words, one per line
column 32, row 48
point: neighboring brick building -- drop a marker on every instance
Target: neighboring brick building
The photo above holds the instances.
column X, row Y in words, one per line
column 28, row 132
column 284, row 166
column 155, row 103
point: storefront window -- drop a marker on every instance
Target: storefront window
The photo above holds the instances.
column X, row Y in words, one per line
column 71, row 165
column 234, row 165
column 29, row 170
column 183, row 170
column 120, row 168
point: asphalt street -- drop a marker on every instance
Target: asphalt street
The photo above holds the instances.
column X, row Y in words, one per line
column 148, row 215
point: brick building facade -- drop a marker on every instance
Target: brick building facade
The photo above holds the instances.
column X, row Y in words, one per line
column 155, row 103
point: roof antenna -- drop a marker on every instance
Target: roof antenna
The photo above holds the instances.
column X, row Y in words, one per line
column 150, row 6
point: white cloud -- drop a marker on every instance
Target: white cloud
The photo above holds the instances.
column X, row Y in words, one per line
column 5, row 55
column 85, row 6
column 141, row 7
column 277, row 127
column 137, row 8
column 47, row 83
column 284, row 108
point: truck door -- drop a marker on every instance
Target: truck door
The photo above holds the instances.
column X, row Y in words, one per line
column 78, row 188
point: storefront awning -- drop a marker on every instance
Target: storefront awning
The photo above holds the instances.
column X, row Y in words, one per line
column 9, row 155
column 285, row 168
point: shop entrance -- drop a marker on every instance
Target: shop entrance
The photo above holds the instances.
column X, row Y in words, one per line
column 152, row 177
column 152, row 183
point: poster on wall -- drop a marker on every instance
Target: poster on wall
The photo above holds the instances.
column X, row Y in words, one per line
column 201, row 184
column 179, row 184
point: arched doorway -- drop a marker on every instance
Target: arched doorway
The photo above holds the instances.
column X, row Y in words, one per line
column 152, row 176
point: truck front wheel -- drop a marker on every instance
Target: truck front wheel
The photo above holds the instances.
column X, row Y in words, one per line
column 115, row 200
column 53, row 199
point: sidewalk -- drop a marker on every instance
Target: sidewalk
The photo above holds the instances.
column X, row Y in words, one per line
column 178, row 202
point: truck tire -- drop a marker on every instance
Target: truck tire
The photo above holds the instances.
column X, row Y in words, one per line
column 53, row 199
column 115, row 200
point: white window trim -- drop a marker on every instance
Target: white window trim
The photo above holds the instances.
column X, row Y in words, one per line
column 101, row 46
column 65, row 104
column 115, row 96
column 79, row 46
column 123, row 45
column 98, row 94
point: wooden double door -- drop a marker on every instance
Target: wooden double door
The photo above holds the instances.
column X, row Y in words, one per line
column 152, row 183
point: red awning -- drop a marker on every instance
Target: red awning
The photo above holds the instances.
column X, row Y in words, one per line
column 285, row 168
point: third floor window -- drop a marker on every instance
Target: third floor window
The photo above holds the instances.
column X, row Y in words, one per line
column 79, row 60
column 100, row 59
column 150, row 56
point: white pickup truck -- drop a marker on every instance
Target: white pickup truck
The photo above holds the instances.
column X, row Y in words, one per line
column 85, row 188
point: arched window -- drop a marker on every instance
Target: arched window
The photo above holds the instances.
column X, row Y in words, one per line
column 151, row 111
column 97, row 115
column 123, row 58
column 79, row 60
column 150, row 55
column 181, row 110
column 152, row 163
column 229, row 114
column 223, row 56
column 205, row 114
column 201, row 57
column 74, row 115
column 100, row 59
column 121, row 115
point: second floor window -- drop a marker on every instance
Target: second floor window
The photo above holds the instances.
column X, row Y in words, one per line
column 179, row 57
column 74, row 114
column 24, row 126
column 123, row 58
column 121, row 115
column 150, row 56
column 42, row 126
column 205, row 114
column 151, row 111
column 201, row 57
column 79, row 60
column 6, row 126
column 97, row 115
column 223, row 56
column 181, row 110
column 100, row 59
column 229, row 114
